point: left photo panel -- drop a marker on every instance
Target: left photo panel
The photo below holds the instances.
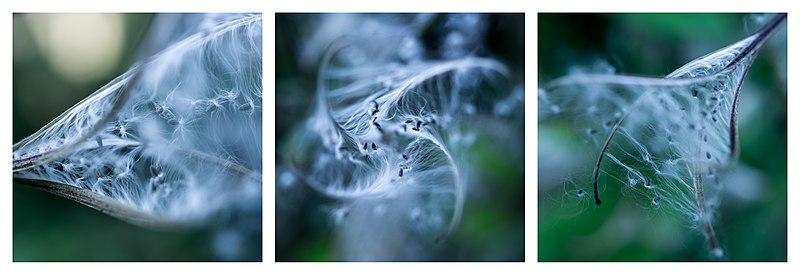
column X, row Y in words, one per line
column 137, row 137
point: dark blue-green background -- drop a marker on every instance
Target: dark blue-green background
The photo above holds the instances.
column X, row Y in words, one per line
column 656, row 44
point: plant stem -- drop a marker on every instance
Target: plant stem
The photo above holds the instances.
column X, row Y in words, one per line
column 105, row 205
column 705, row 219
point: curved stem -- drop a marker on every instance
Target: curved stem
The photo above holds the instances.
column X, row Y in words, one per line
column 457, row 189
column 763, row 34
column 705, row 218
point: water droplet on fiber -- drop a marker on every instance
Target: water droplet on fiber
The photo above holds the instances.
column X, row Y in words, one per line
column 416, row 214
column 717, row 252
column 555, row 109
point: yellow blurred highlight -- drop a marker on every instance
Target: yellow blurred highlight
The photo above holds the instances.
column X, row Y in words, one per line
column 80, row 48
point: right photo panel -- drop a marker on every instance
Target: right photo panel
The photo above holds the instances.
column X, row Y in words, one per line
column 662, row 137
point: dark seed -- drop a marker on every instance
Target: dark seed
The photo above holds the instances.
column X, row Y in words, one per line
column 401, row 172
column 417, row 127
column 245, row 107
column 708, row 155
column 365, row 146
column 99, row 141
column 173, row 121
column 374, row 147
column 211, row 108
column 154, row 170
column 374, row 109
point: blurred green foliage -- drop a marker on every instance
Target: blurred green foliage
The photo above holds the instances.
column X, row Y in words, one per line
column 656, row 44
column 51, row 228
